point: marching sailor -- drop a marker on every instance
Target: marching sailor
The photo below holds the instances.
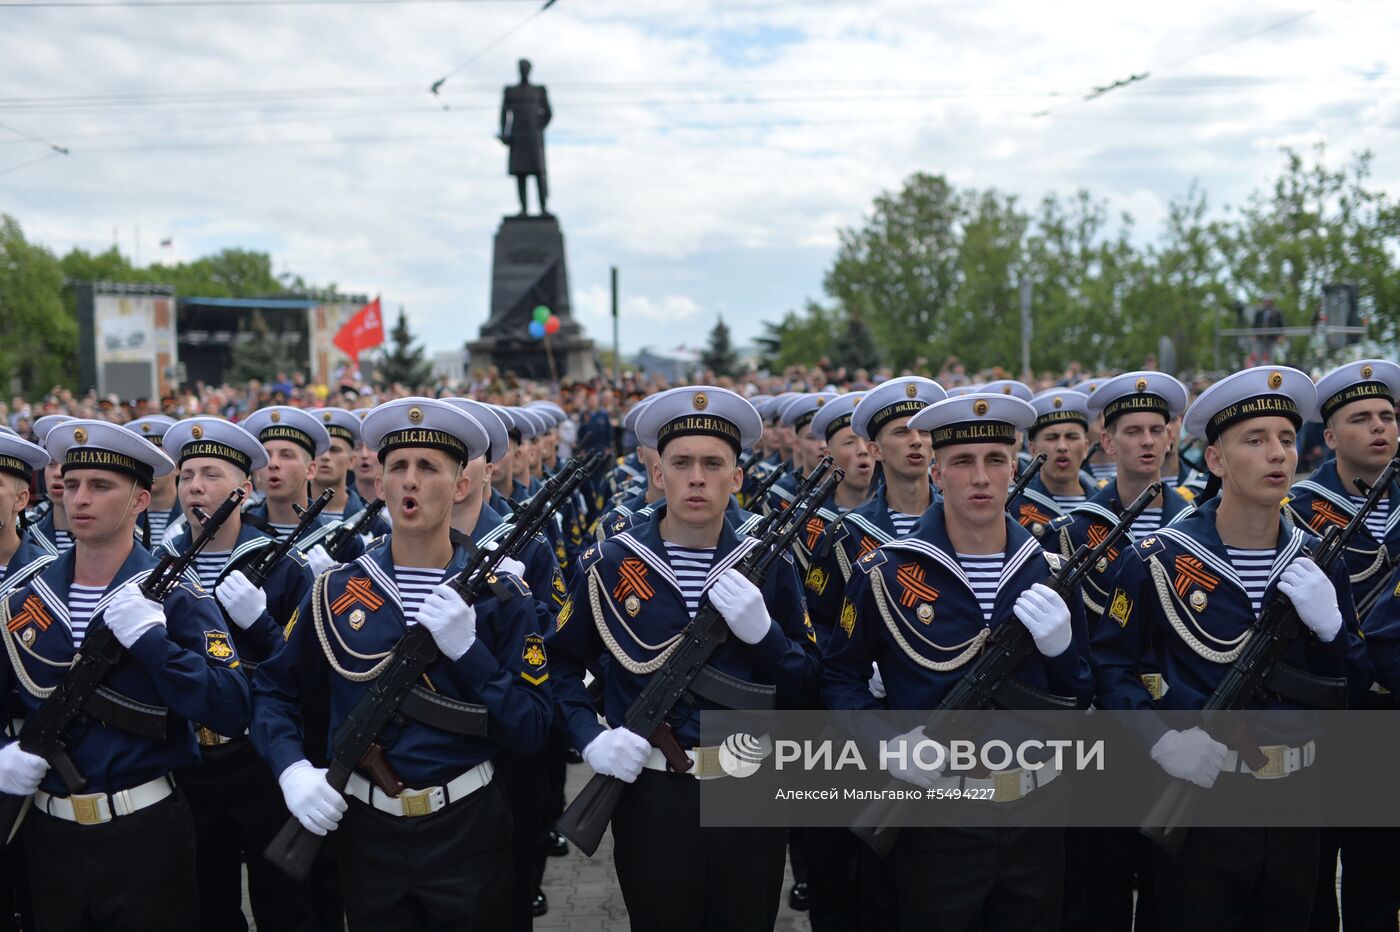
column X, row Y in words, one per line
column 438, row 853
column 1183, row 602
column 1061, row 432
column 164, row 507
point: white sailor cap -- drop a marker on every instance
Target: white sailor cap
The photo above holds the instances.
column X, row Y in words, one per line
column 425, row 422
column 896, row 398
column 1263, row 391
column 152, row 427
column 1133, row 392
column 629, row 420
column 83, row 444
column 213, row 436
column 529, row 423
column 975, row 418
column 8, row 430
column 498, row 439
column 836, row 414
column 759, row 402
column 339, row 423
column 773, row 408
column 1088, row 386
column 19, row 457
column 957, row 391
column 1012, row 387
column 283, row 422
column 1355, row 381
column 800, row 411
column 48, row 422
column 1060, row 406
column 551, row 411
column 699, row 410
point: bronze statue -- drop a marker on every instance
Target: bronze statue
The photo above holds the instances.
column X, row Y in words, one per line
column 524, row 115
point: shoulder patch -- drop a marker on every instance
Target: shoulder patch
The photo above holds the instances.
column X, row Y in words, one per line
column 1150, row 544
column 871, row 560
column 533, row 656
column 1063, row 521
column 218, row 646
column 1120, row 608
column 1055, row 561
column 848, row 617
column 592, row 555
column 817, row 579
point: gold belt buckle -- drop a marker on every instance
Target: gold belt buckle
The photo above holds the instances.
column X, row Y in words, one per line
column 1274, row 768
column 415, row 803
column 1155, row 686
column 85, row 810
column 707, row 762
column 208, row 737
column 1006, row 786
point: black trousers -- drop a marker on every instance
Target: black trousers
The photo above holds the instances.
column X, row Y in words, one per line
column 833, row 884
column 133, row 873
column 678, row 877
column 1230, row 879
column 980, row 878
column 448, row 871
column 1102, row 867
column 238, row 808
column 523, row 780
column 1370, row 893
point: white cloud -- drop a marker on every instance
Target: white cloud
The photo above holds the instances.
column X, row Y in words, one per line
column 709, row 149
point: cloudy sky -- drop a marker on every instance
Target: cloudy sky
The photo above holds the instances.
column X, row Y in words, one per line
column 709, row 148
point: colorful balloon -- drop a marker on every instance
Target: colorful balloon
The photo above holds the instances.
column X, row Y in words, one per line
column 551, row 326
column 541, row 313
column 537, row 330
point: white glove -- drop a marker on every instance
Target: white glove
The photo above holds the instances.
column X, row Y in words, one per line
column 741, row 604
column 451, row 621
column 915, row 747
column 20, row 771
column 1046, row 617
column 1311, row 592
column 509, row 564
column 319, row 559
column 243, row 601
column 130, row 614
column 310, row 798
column 877, row 682
column 619, row 753
column 1190, row 755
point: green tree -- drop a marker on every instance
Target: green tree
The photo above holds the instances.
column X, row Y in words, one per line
column 402, row 362
column 719, row 355
column 799, row 338
column 900, row 269
column 856, row 349
column 40, row 349
column 261, row 354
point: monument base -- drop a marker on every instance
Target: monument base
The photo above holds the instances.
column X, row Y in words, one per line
column 528, row 271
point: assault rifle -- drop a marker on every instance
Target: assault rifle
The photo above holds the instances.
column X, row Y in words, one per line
column 338, row 542
column 80, row 695
column 1260, row 668
column 588, row 815
column 991, row 681
column 260, row 567
column 1024, row 479
column 394, row 692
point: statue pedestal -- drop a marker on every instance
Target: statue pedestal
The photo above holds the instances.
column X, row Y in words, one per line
column 528, row 270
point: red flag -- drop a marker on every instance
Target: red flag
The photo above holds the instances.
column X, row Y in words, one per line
column 361, row 332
